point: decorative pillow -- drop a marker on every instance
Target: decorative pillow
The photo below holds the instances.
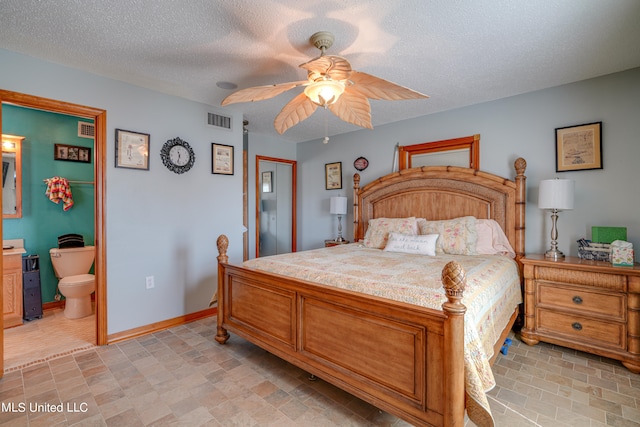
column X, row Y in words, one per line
column 491, row 239
column 379, row 229
column 458, row 236
column 412, row 244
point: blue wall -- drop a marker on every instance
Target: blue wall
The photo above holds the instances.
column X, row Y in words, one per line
column 42, row 220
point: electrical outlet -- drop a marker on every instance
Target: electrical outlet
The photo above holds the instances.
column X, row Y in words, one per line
column 149, row 282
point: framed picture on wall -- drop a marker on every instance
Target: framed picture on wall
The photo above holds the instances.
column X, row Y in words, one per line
column 579, row 147
column 221, row 159
column 72, row 153
column 333, row 176
column 132, row 149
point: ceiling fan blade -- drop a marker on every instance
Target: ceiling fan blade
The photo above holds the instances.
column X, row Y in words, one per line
column 354, row 108
column 336, row 67
column 376, row 88
column 260, row 93
column 298, row 109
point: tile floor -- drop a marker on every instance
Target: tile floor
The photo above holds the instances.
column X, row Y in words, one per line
column 42, row 339
column 182, row 377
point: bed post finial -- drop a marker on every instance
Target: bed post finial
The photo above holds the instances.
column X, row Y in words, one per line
column 454, row 281
column 520, row 164
column 223, row 245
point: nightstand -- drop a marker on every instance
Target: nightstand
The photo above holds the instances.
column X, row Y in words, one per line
column 586, row 305
column 329, row 243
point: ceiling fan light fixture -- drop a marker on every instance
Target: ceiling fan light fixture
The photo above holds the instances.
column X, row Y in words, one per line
column 324, row 92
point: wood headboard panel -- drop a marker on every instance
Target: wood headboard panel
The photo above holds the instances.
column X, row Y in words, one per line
column 444, row 192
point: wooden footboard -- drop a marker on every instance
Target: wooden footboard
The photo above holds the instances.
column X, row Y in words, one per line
column 401, row 358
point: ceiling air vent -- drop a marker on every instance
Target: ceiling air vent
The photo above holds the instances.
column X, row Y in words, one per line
column 219, row 121
column 86, row 130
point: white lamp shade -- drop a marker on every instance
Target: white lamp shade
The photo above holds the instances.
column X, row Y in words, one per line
column 339, row 205
column 556, row 194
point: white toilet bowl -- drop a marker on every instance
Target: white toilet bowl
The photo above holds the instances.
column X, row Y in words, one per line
column 71, row 266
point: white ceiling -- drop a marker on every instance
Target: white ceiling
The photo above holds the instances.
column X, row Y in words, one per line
column 457, row 52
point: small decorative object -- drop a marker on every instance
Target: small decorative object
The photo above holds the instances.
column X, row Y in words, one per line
column 132, row 149
column 622, row 253
column 177, row 155
column 266, row 182
column 361, row 164
column 555, row 195
column 594, row 251
column 339, row 207
column 333, row 176
column 221, row 159
column 72, row 153
column 579, row 147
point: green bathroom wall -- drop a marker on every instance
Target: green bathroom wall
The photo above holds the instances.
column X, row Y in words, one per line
column 42, row 220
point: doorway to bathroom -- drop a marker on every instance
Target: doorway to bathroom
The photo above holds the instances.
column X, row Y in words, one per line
column 275, row 206
column 98, row 117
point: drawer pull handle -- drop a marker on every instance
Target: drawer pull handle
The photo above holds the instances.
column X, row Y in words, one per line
column 577, row 326
column 577, row 300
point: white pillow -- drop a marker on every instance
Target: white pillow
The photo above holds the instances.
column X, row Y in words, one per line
column 412, row 244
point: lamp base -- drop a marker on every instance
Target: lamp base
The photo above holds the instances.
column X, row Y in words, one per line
column 339, row 239
column 554, row 254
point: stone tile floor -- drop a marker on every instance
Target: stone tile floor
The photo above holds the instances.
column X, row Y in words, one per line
column 182, row 377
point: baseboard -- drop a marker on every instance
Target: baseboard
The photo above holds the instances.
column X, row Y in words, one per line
column 160, row 326
column 52, row 305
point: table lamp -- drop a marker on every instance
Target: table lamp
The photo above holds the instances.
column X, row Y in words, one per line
column 555, row 195
column 339, row 207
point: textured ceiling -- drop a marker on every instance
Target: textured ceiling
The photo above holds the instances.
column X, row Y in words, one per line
column 457, row 52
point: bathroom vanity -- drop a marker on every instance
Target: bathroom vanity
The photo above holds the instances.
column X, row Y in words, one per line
column 12, row 282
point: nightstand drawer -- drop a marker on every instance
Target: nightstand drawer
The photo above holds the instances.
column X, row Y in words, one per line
column 583, row 330
column 612, row 282
column 610, row 305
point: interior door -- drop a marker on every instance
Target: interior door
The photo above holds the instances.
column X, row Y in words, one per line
column 275, row 206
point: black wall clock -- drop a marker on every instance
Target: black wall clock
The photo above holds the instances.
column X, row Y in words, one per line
column 177, row 155
column 361, row 163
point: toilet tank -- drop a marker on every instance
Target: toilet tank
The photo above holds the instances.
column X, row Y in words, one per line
column 72, row 261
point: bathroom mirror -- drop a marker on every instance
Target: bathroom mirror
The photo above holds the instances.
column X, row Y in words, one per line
column 12, row 176
column 463, row 152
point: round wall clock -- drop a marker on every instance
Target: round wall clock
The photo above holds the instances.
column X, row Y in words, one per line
column 177, row 155
column 361, row 163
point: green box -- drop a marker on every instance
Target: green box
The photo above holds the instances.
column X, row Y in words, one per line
column 608, row 234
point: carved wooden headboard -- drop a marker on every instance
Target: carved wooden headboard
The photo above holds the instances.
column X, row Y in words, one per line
column 445, row 192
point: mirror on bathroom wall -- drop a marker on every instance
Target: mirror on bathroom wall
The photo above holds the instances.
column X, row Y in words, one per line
column 12, row 176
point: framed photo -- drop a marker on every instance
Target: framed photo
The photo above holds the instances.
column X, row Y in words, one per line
column 71, row 153
column 132, row 149
column 221, row 159
column 267, row 177
column 579, row 147
column 333, row 176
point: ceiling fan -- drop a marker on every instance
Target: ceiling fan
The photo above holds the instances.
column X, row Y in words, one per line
column 332, row 84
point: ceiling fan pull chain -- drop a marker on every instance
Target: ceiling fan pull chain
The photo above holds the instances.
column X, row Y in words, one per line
column 326, row 126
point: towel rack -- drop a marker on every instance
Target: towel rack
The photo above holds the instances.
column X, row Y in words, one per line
column 71, row 182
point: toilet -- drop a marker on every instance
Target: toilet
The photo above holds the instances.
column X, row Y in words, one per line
column 71, row 266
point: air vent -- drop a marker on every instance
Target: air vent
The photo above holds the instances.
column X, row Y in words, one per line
column 86, row 130
column 219, row 121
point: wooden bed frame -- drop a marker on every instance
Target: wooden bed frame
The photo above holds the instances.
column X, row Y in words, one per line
column 401, row 358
